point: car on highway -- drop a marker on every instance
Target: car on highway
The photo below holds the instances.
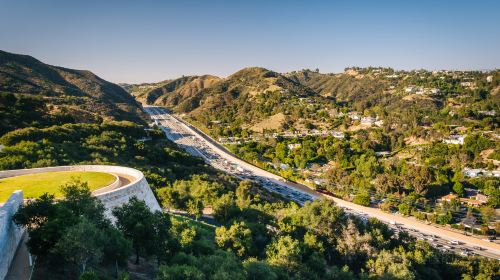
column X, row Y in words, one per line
column 464, row 253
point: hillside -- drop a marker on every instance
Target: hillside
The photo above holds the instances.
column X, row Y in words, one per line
column 249, row 96
column 349, row 86
column 176, row 91
column 75, row 94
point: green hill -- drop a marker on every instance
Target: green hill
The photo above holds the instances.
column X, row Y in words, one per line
column 75, row 95
column 249, row 96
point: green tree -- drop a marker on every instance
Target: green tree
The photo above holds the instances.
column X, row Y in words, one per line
column 180, row 272
column 362, row 199
column 81, row 244
column 488, row 214
column 39, row 218
column 136, row 222
column 162, row 245
column 88, row 275
column 285, row 252
column 458, row 188
column 281, row 151
column 259, row 270
column 353, row 246
column 195, row 208
column 243, row 194
column 225, row 207
column 117, row 248
column 237, row 239
column 404, row 209
column 391, row 265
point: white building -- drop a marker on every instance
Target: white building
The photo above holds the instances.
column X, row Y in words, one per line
column 487, row 113
column 420, row 90
column 435, row 91
column 354, row 116
column 473, row 173
column 455, row 139
column 294, row 146
column 368, row 120
column 467, row 84
column 383, row 154
column 338, row 134
column 410, row 89
column 284, row 166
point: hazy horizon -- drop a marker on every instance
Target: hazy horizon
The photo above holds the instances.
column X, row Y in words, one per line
column 130, row 42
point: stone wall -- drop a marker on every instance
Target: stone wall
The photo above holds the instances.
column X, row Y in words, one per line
column 10, row 233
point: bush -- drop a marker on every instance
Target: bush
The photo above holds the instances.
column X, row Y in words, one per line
column 362, row 199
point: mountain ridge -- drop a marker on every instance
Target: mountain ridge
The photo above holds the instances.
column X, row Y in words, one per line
column 79, row 94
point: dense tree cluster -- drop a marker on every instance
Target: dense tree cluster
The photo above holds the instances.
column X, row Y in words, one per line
column 72, row 237
column 317, row 241
column 105, row 143
column 71, row 234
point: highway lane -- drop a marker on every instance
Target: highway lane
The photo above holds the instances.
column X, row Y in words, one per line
column 199, row 144
column 178, row 132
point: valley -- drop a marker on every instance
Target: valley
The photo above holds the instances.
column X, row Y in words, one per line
column 198, row 144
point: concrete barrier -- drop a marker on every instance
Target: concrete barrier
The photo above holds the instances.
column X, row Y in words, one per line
column 10, row 233
column 112, row 195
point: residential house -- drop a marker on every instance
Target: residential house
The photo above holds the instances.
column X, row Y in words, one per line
column 467, row 84
column 449, row 197
column 410, row 89
column 354, row 116
column 294, row 146
column 482, row 198
column 455, row 139
column 435, row 91
column 338, row 134
column 420, row 90
column 470, row 201
column 284, row 166
column 368, row 120
column 472, row 173
column 383, row 154
column 490, row 113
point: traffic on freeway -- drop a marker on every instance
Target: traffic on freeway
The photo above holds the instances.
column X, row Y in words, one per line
column 179, row 133
column 199, row 144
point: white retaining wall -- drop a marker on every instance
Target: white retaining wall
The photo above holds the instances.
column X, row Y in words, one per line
column 10, row 233
column 111, row 198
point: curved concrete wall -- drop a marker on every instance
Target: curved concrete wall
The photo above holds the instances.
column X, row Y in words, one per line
column 111, row 196
column 10, row 233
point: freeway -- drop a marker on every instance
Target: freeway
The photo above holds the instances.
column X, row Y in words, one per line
column 199, row 144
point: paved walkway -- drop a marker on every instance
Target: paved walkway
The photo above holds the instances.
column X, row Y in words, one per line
column 20, row 267
column 124, row 180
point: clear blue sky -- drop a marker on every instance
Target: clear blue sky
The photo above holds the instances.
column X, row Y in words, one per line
column 141, row 41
